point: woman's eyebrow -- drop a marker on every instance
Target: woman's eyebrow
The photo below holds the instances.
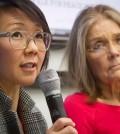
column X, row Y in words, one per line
column 96, row 38
column 116, row 34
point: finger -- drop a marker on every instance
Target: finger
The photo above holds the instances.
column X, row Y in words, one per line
column 62, row 123
column 69, row 130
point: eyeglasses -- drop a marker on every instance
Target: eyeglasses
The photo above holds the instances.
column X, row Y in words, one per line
column 102, row 47
column 20, row 39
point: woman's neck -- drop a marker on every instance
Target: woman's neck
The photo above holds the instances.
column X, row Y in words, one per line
column 110, row 94
column 13, row 93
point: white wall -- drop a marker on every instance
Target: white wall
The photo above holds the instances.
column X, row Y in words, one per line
column 60, row 14
column 56, row 59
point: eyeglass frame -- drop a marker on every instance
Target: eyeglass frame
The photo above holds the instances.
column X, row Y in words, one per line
column 8, row 34
column 107, row 46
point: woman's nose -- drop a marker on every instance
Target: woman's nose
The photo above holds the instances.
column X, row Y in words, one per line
column 31, row 47
column 113, row 51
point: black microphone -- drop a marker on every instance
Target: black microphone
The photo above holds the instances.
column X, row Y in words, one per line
column 49, row 82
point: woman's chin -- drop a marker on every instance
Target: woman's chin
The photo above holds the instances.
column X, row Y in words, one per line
column 28, row 82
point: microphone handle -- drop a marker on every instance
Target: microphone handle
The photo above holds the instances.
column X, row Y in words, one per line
column 56, row 107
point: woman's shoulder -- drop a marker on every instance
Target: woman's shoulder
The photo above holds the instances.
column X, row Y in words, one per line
column 76, row 104
column 76, row 100
column 79, row 96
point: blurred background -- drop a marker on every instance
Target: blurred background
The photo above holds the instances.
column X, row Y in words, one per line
column 60, row 15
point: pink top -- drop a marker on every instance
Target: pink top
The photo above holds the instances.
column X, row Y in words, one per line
column 97, row 118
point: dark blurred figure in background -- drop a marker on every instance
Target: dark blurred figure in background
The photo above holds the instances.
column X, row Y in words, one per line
column 93, row 54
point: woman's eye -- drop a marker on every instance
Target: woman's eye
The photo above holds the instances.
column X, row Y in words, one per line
column 39, row 36
column 99, row 45
column 17, row 35
column 118, row 40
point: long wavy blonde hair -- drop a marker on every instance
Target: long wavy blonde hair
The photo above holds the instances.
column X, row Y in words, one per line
column 78, row 67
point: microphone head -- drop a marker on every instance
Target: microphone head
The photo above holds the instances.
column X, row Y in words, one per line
column 49, row 82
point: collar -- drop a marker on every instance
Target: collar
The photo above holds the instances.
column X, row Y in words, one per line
column 25, row 101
